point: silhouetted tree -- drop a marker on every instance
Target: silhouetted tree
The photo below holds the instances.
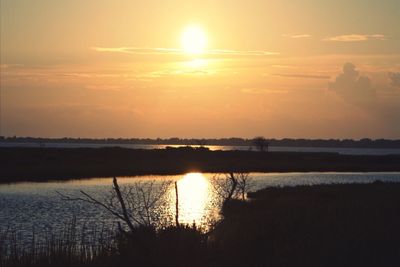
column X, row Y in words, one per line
column 261, row 143
column 201, row 142
column 231, row 185
column 244, row 183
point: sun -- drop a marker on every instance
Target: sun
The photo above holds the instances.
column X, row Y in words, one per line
column 194, row 40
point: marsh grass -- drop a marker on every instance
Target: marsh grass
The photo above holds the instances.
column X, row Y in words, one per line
column 144, row 245
column 71, row 246
column 325, row 225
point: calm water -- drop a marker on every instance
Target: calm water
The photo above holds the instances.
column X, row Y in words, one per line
column 27, row 206
column 347, row 151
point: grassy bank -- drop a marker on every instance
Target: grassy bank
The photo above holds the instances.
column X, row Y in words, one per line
column 39, row 164
column 326, row 225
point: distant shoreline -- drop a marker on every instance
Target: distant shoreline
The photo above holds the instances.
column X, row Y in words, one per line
column 43, row 164
column 234, row 141
column 302, row 149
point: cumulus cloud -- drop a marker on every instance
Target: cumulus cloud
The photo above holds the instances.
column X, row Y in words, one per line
column 375, row 100
column 394, row 79
column 355, row 37
column 353, row 87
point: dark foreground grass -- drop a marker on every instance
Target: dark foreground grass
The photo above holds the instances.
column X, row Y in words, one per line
column 325, row 225
column 146, row 246
column 41, row 164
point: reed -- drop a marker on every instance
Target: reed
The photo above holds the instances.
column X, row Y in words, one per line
column 68, row 247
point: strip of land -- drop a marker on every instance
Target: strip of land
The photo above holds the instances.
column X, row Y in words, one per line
column 233, row 141
column 41, row 164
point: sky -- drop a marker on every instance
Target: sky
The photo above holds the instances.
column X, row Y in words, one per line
column 296, row 69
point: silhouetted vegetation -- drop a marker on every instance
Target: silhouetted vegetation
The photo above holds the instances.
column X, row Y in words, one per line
column 134, row 205
column 40, row 164
column 233, row 141
column 231, row 185
column 69, row 247
column 145, row 246
column 261, row 143
column 325, row 225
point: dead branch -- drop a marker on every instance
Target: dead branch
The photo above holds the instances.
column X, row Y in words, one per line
column 133, row 205
column 122, row 202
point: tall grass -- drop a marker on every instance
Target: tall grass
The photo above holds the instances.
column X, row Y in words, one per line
column 326, row 225
column 69, row 247
column 145, row 246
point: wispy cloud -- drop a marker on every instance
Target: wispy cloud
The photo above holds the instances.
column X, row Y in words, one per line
column 242, row 53
column 296, row 36
column 104, row 87
column 304, row 76
column 176, row 51
column 9, row 66
column 138, row 50
column 355, row 37
column 260, row 91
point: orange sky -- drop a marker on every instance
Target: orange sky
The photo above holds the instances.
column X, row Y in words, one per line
column 302, row 69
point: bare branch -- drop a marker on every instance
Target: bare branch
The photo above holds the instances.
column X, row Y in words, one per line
column 134, row 205
column 232, row 185
column 91, row 200
column 122, row 202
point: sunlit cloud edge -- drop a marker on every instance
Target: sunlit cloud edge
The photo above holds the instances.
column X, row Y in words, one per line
column 176, row 51
column 297, row 36
column 302, row 76
column 355, row 38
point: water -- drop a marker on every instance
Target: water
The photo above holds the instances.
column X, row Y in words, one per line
column 28, row 206
column 340, row 150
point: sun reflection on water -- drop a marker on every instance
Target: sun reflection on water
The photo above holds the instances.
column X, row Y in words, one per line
column 195, row 197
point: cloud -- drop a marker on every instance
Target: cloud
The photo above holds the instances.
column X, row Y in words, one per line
column 353, row 87
column 394, row 79
column 359, row 91
column 296, row 36
column 9, row 66
column 305, row 76
column 176, row 51
column 259, row 91
column 104, row 87
column 138, row 50
column 355, row 38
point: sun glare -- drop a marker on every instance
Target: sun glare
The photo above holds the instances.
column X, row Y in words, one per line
column 194, row 40
column 194, row 194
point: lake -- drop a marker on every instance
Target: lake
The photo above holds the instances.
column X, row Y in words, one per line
column 27, row 206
